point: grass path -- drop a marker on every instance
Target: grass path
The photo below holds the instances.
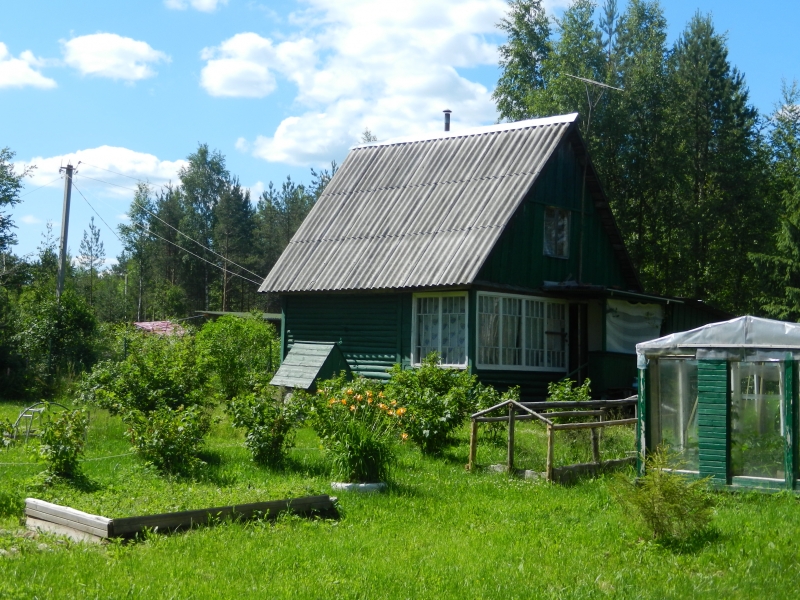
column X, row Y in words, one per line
column 440, row 532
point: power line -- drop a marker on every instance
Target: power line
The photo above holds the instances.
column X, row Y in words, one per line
column 97, row 213
column 148, row 211
column 149, row 232
column 40, row 187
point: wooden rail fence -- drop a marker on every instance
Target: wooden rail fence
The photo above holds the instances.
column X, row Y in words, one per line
column 544, row 413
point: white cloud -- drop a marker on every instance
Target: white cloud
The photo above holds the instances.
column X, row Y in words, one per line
column 243, row 65
column 256, row 190
column 357, row 63
column 201, row 5
column 22, row 72
column 30, row 220
column 97, row 164
column 113, row 56
column 123, row 217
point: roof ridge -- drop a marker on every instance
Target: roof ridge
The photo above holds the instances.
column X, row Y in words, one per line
column 497, row 127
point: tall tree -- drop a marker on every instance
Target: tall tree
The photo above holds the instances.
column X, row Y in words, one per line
column 719, row 169
column 136, row 238
column 233, row 237
column 10, row 186
column 522, row 58
column 91, row 255
column 203, row 181
column 780, row 296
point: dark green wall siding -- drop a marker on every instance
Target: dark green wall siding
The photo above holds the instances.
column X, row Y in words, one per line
column 689, row 315
column 713, row 386
column 518, row 258
column 374, row 330
column 611, row 371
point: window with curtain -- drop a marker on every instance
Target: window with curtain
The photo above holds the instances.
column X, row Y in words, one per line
column 520, row 332
column 440, row 325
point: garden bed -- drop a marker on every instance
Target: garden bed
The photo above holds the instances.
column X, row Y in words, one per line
column 82, row 526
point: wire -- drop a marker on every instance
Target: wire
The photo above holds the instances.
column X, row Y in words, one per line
column 97, row 213
column 144, row 208
column 40, row 187
column 149, row 232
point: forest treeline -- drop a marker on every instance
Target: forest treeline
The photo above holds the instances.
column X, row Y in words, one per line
column 704, row 187
column 200, row 244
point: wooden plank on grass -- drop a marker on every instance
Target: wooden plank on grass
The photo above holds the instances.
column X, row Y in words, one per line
column 74, row 534
column 180, row 520
column 54, row 518
column 66, row 515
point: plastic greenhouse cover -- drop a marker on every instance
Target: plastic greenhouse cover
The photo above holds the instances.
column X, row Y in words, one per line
column 727, row 339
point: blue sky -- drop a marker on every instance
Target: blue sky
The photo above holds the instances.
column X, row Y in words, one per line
column 278, row 88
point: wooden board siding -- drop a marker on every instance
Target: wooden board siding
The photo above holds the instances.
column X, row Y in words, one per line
column 518, row 258
column 373, row 330
column 713, row 387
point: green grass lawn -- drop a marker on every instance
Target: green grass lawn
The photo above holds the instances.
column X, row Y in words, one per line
column 439, row 532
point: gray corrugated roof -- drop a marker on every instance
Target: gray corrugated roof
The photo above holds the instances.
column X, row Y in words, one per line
column 417, row 212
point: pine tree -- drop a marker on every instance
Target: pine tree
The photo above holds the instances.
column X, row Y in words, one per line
column 233, row 234
column 203, row 180
column 91, row 255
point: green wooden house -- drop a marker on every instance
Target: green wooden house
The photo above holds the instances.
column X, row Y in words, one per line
column 724, row 399
column 494, row 247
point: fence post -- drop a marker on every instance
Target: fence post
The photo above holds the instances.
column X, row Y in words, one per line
column 473, row 445
column 510, row 438
column 595, row 445
column 549, row 467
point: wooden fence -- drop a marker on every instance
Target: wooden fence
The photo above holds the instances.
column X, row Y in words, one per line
column 544, row 412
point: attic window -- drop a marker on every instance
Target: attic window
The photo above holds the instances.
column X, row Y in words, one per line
column 440, row 325
column 556, row 232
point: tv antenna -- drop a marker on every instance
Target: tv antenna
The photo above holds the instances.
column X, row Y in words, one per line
column 602, row 88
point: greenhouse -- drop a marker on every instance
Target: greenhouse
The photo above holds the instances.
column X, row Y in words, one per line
column 723, row 399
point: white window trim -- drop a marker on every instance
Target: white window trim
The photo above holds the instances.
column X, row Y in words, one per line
column 416, row 361
column 569, row 232
column 500, row 333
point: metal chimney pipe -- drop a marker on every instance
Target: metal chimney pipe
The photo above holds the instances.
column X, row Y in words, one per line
column 447, row 119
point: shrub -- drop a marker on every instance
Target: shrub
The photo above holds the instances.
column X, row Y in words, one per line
column 439, row 401
column 565, row 391
column 671, row 506
column 56, row 339
column 240, row 353
column 169, row 439
column 6, row 433
column 157, row 372
column 269, row 423
column 62, row 442
column 487, row 396
column 358, row 427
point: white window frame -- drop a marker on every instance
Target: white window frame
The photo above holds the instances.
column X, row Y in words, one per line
column 417, row 360
column 569, row 232
column 523, row 367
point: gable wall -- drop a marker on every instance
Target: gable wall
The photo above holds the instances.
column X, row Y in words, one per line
column 518, row 258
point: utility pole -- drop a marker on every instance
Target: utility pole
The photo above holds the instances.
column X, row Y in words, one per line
column 62, row 256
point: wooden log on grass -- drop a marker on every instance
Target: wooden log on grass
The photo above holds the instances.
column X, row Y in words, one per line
column 63, row 519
